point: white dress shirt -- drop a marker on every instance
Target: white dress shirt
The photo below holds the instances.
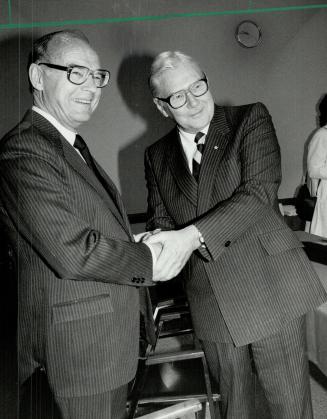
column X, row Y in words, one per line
column 65, row 132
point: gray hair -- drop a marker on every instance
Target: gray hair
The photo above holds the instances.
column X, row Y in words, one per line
column 167, row 60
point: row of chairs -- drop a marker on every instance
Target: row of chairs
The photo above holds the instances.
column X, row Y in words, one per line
column 174, row 369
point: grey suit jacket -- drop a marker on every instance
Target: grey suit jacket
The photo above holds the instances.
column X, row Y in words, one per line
column 254, row 276
column 77, row 267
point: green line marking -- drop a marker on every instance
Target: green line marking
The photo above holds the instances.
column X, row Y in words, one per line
column 9, row 11
column 160, row 17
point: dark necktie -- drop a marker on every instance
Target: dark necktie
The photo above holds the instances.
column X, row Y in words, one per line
column 81, row 146
column 85, row 152
column 196, row 163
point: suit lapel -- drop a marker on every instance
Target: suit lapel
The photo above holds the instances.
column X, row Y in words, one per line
column 79, row 166
column 179, row 168
column 116, row 197
column 217, row 139
column 76, row 162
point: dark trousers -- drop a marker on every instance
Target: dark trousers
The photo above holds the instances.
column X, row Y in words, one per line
column 109, row 405
column 279, row 362
column 38, row 402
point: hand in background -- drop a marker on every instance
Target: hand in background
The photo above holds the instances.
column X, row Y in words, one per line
column 177, row 247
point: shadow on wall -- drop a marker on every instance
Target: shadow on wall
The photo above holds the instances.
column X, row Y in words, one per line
column 15, row 96
column 321, row 120
column 133, row 84
column 321, row 109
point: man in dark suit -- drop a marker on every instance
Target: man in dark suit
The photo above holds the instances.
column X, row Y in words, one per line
column 80, row 273
column 249, row 282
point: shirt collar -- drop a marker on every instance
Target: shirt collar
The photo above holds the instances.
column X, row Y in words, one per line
column 190, row 136
column 65, row 132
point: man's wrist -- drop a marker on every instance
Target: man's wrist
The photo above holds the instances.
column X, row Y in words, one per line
column 196, row 237
column 202, row 242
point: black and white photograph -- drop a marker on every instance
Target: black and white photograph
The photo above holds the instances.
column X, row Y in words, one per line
column 163, row 209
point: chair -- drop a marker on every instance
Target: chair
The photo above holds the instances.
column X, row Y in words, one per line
column 180, row 410
column 167, row 376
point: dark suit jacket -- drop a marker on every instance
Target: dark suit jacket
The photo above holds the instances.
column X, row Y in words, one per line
column 254, row 276
column 77, row 268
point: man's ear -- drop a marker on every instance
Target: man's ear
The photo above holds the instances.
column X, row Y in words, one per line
column 161, row 107
column 36, row 76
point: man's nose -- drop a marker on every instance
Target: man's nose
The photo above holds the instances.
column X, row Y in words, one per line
column 90, row 83
column 191, row 99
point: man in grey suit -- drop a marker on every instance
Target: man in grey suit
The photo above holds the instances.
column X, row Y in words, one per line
column 214, row 179
column 80, row 273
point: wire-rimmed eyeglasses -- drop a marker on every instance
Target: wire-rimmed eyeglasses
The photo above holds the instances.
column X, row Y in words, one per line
column 78, row 74
column 178, row 99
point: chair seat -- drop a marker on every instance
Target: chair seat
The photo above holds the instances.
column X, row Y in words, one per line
column 174, row 356
column 186, row 409
column 177, row 380
column 168, row 400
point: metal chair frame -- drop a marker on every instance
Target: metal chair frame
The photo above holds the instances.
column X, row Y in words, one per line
column 164, row 312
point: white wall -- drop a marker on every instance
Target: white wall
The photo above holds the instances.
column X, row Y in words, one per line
column 287, row 72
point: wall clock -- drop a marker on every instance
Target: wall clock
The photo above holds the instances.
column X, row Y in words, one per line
column 248, row 34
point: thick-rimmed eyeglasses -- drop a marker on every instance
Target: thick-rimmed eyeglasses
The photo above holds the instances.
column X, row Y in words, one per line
column 78, row 74
column 178, row 99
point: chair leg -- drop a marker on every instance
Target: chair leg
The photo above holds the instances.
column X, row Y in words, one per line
column 140, row 380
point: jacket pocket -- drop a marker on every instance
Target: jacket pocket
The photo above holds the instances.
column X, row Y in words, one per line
column 81, row 308
column 279, row 241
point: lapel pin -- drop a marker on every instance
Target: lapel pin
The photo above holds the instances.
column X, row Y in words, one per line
column 215, row 147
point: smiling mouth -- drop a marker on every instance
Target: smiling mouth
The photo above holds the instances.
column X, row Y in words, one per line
column 83, row 101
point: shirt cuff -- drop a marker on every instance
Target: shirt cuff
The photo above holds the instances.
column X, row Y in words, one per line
column 201, row 240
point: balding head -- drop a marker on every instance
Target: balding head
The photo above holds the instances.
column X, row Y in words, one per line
column 65, row 73
column 48, row 45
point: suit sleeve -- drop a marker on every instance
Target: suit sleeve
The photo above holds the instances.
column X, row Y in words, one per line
column 36, row 195
column 158, row 216
column 256, row 194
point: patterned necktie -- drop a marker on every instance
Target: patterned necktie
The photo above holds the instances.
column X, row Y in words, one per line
column 196, row 163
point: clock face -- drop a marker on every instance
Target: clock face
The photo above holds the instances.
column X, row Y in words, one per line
column 248, row 34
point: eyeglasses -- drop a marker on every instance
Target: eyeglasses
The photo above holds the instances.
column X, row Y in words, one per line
column 78, row 74
column 178, row 99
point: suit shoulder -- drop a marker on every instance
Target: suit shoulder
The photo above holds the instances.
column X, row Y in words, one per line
column 236, row 114
column 19, row 130
column 27, row 139
column 162, row 143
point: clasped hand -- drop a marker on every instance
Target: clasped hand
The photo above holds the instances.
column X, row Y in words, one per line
column 172, row 249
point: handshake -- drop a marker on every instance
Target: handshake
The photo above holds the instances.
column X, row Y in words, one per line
column 172, row 249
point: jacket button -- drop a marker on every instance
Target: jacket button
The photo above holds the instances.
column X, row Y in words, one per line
column 227, row 243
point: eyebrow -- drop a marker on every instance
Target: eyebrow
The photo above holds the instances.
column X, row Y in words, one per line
column 75, row 65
